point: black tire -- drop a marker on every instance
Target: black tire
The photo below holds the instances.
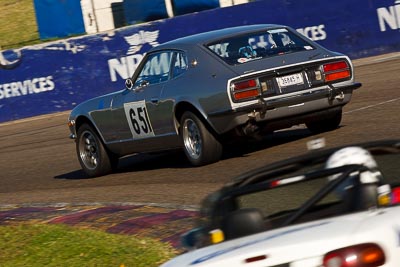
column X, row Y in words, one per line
column 92, row 155
column 200, row 145
column 329, row 123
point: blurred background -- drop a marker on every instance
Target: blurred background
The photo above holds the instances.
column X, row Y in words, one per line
column 27, row 22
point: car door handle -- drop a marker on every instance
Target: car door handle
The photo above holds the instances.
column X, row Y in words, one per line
column 154, row 100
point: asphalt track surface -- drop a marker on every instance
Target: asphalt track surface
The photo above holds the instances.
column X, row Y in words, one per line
column 38, row 163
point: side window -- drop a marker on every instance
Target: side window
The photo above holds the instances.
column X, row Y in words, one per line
column 155, row 70
column 180, row 64
column 220, row 49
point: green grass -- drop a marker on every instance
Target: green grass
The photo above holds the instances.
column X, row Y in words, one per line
column 18, row 24
column 60, row 245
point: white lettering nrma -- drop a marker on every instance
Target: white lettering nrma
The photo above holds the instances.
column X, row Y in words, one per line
column 123, row 68
column 389, row 17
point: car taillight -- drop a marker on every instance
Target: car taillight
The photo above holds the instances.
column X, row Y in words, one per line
column 336, row 71
column 245, row 90
column 363, row 255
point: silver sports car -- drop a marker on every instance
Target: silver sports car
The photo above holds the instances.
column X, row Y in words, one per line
column 198, row 91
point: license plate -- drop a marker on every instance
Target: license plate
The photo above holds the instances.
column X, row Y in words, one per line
column 289, row 80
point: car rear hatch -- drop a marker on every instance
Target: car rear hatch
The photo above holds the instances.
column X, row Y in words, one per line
column 287, row 74
column 298, row 245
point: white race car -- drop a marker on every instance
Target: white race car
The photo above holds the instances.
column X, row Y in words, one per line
column 328, row 208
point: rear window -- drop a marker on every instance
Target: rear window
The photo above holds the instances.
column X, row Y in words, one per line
column 244, row 48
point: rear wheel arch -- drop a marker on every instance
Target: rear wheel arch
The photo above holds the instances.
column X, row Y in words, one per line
column 182, row 107
column 200, row 142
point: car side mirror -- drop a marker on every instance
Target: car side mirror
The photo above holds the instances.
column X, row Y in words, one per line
column 192, row 238
column 129, row 84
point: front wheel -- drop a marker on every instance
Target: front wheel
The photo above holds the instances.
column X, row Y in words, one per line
column 200, row 145
column 92, row 155
column 328, row 123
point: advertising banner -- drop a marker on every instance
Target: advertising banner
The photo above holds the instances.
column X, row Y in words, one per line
column 57, row 76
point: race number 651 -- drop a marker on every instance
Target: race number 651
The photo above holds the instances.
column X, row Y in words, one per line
column 138, row 119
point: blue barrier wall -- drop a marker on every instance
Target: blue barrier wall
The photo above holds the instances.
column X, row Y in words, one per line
column 57, row 76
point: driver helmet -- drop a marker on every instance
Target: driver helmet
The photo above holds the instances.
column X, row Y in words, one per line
column 240, row 47
column 247, row 52
column 354, row 155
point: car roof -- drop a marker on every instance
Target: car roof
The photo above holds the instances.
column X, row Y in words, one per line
column 206, row 37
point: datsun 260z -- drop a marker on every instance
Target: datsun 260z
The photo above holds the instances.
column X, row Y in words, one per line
column 199, row 91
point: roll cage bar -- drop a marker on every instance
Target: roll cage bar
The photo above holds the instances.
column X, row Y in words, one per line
column 264, row 178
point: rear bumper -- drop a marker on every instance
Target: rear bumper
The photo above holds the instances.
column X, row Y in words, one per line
column 301, row 105
column 284, row 101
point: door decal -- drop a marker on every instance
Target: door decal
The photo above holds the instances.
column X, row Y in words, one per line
column 138, row 119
